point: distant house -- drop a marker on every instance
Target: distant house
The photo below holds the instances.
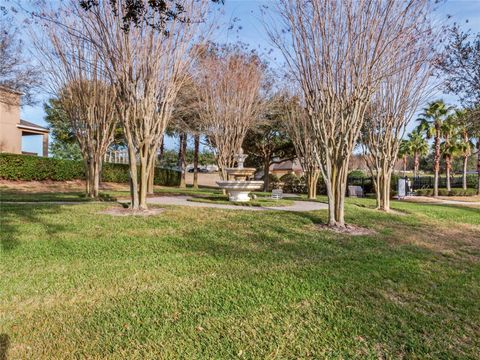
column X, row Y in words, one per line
column 12, row 128
column 286, row 167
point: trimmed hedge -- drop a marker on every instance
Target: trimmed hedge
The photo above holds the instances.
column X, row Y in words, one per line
column 28, row 168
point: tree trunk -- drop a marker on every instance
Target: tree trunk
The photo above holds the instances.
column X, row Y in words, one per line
column 312, row 181
column 162, row 148
column 416, row 164
column 478, row 166
column 266, row 174
column 436, row 165
column 196, row 150
column 464, row 172
column 132, row 161
column 143, row 179
column 382, row 189
column 336, row 184
column 86, row 163
column 181, row 159
column 151, row 180
column 96, row 177
column 92, row 176
column 448, row 166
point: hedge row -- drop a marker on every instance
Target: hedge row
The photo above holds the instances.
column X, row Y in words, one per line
column 294, row 184
column 27, row 167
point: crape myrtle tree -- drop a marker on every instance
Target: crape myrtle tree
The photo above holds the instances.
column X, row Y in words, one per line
column 392, row 107
column 84, row 93
column 65, row 145
column 148, row 65
column 297, row 124
column 229, row 84
column 460, row 66
column 16, row 72
column 339, row 52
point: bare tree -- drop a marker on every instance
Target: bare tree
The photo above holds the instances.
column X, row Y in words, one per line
column 15, row 71
column 391, row 109
column 339, row 52
column 228, row 81
column 148, row 67
column 298, row 127
column 83, row 92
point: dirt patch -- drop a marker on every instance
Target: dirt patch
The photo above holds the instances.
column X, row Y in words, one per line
column 447, row 200
column 349, row 229
column 473, row 198
column 121, row 211
column 397, row 212
column 460, row 241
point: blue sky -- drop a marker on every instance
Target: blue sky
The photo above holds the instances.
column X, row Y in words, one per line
column 249, row 29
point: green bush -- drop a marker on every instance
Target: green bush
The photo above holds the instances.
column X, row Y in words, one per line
column 274, row 182
column 472, row 180
column 357, row 174
column 293, row 184
column 28, row 168
column 115, row 173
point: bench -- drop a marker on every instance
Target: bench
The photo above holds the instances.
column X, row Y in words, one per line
column 355, row 191
column 277, row 194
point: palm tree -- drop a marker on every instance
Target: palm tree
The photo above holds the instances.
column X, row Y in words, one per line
column 404, row 151
column 418, row 147
column 465, row 144
column 431, row 120
column 449, row 145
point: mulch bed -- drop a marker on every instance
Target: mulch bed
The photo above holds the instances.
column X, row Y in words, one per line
column 349, row 229
column 120, row 211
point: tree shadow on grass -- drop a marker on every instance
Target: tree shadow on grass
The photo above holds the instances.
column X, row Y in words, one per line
column 13, row 216
column 4, row 345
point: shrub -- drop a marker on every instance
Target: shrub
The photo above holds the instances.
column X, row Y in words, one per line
column 357, row 174
column 115, row 173
column 28, row 168
column 293, row 184
column 274, row 182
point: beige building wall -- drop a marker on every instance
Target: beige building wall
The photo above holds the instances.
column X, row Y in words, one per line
column 10, row 135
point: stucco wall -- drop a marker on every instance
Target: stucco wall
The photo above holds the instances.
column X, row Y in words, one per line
column 10, row 135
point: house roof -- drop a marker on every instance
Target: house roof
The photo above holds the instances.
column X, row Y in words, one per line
column 27, row 125
column 287, row 165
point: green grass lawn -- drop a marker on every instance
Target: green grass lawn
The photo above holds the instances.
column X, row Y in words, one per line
column 10, row 195
column 208, row 283
column 259, row 201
